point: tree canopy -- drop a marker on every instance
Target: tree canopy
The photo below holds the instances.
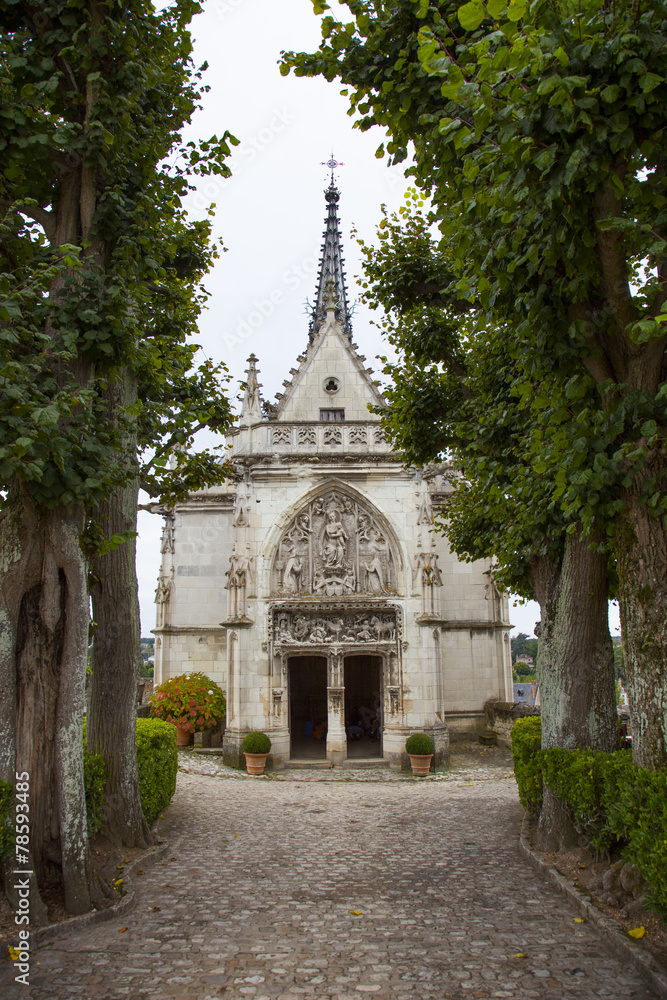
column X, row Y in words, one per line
column 100, row 274
column 538, row 132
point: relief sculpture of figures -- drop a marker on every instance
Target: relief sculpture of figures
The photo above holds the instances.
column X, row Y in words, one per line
column 334, row 547
column 343, row 628
column 374, row 569
column 333, row 542
column 292, row 575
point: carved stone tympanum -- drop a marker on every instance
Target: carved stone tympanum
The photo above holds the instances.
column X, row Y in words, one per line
column 334, row 547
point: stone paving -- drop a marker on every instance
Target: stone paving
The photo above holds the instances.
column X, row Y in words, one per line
column 307, row 889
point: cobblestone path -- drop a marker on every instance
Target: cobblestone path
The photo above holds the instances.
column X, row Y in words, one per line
column 310, row 890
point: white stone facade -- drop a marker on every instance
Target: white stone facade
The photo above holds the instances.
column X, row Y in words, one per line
column 312, row 587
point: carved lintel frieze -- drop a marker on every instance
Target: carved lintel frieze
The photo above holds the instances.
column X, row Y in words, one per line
column 344, row 627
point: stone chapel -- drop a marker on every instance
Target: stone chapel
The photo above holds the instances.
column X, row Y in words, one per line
column 312, row 587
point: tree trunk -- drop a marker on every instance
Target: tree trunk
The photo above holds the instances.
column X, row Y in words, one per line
column 575, row 669
column 44, row 617
column 642, row 569
column 578, row 694
column 111, row 726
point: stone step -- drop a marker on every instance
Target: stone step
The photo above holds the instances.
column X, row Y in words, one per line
column 365, row 762
column 305, row 763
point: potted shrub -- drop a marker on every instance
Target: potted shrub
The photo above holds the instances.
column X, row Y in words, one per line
column 256, row 748
column 420, row 749
column 192, row 702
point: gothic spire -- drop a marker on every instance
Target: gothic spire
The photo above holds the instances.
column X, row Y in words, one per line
column 331, row 275
column 251, row 408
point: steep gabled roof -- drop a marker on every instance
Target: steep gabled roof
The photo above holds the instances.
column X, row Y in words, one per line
column 331, row 374
column 329, row 360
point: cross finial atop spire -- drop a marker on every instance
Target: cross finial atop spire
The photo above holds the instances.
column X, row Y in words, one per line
column 332, row 163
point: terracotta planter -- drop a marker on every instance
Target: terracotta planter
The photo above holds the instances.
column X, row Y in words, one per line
column 421, row 764
column 183, row 737
column 255, row 762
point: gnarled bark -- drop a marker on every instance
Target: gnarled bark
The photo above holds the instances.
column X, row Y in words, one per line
column 44, row 615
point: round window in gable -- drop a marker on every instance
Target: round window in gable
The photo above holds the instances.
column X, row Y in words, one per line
column 331, row 385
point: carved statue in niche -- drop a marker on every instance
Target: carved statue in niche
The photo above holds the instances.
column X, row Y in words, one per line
column 165, row 588
column 427, row 567
column 332, row 548
column 334, row 541
column 237, row 580
column 239, row 569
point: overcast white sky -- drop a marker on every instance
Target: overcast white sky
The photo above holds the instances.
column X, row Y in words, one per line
column 270, row 213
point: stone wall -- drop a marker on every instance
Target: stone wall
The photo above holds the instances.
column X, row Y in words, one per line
column 501, row 716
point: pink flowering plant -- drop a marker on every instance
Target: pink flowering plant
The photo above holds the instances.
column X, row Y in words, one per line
column 191, row 701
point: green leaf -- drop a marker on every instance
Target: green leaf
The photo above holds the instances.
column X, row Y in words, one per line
column 516, row 10
column 496, row 8
column 610, row 93
column 471, row 15
column 650, row 81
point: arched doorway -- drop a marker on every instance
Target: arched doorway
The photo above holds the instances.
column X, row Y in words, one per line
column 363, row 706
column 308, row 707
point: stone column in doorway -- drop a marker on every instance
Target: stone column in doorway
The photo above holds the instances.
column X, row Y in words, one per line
column 336, row 736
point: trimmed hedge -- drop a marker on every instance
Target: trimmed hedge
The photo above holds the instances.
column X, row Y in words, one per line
column 157, row 762
column 256, row 743
column 6, row 819
column 419, row 744
column 526, row 743
column 157, row 758
column 612, row 801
